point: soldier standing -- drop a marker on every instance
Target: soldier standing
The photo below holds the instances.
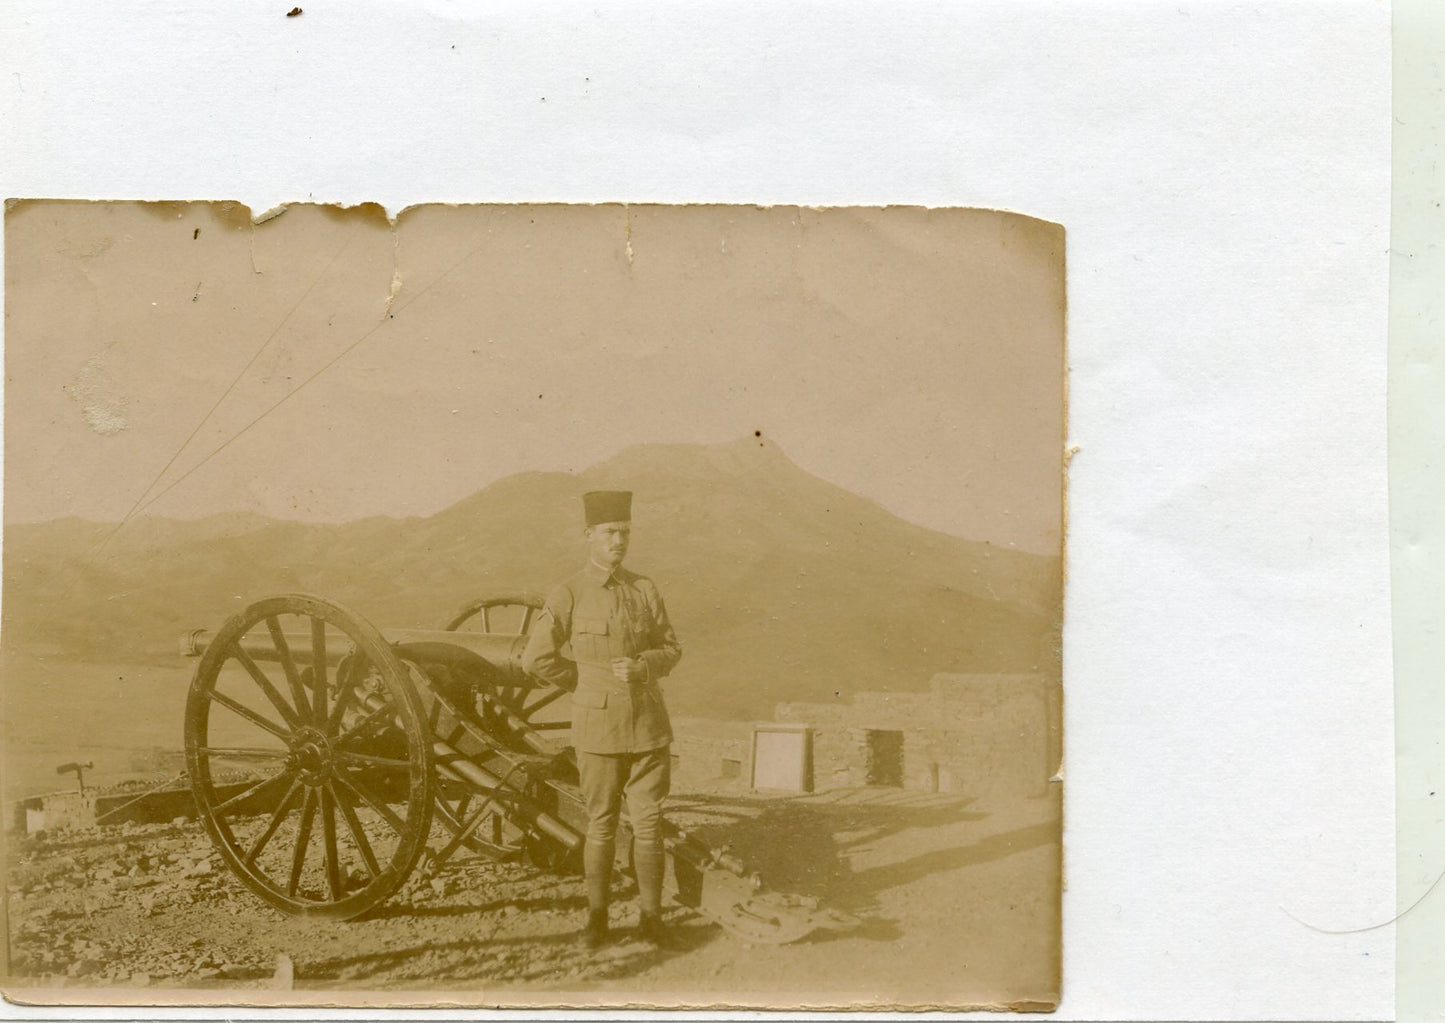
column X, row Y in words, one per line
column 606, row 632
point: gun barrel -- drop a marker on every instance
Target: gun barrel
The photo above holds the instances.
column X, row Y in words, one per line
column 484, row 652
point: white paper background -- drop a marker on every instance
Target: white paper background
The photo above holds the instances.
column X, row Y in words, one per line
column 1223, row 173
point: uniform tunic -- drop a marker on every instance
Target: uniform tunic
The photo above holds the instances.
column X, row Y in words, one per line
column 591, row 618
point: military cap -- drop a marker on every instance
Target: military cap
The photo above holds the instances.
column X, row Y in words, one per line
column 607, row 506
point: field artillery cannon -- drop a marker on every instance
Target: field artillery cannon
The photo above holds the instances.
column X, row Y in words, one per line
column 365, row 743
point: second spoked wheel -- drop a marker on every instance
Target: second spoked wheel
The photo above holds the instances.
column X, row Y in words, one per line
column 309, row 757
column 543, row 707
column 532, row 706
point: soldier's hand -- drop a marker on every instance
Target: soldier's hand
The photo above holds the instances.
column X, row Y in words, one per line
column 630, row 669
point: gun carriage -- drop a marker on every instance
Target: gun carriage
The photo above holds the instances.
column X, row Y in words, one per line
column 364, row 755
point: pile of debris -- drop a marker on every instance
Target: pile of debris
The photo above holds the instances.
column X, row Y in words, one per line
column 63, row 883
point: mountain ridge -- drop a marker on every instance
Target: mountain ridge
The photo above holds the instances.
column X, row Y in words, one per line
column 783, row 585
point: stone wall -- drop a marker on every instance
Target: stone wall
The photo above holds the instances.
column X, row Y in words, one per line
column 968, row 733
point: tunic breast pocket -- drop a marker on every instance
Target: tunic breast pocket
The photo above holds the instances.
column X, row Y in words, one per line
column 589, row 638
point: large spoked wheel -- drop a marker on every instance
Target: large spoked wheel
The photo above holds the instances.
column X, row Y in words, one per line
column 509, row 613
column 309, row 757
column 541, row 705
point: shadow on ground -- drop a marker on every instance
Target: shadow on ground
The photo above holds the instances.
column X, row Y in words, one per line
column 807, row 845
column 501, row 959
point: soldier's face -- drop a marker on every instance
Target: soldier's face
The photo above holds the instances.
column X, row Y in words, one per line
column 608, row 542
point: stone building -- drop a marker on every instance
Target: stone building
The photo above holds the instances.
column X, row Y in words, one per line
column 967, row 733
column 974, row 733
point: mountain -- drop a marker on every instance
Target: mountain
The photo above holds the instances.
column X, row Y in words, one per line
column 781, row 585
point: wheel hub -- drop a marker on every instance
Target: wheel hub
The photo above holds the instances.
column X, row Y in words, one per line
column 311, row 754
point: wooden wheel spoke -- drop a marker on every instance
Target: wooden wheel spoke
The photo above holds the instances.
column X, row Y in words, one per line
column 328, row 736
column 241, row 797
column 244, row 752
column 367, row 760
column 318, row 670
column 328, row 835
column 264, row 684
column 277, row 816
column 288, row 665
column 250, row 715
column 549, row 726
column 544, row 700
column 358, row 834
column 365, row 724
column 448, row 816
column 372, row 800
column 303, row 839
column 481, row 615
column 346, row 685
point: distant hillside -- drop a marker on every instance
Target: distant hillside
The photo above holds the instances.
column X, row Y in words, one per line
column 782, row 586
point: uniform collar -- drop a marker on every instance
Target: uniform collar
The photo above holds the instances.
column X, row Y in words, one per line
column 600, row 574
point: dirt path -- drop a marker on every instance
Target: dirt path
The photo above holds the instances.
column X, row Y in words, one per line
column 958, row 900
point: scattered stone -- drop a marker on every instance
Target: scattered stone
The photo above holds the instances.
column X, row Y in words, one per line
column 140, row 979
column 84, row 968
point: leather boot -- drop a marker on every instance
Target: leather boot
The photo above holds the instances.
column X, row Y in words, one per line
column 594, row 933
column 654, row 932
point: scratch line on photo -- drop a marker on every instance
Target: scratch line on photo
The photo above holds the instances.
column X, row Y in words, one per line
column 309, row 380
column 138, row 505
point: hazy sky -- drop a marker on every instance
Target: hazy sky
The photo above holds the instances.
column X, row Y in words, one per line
column 914, row 357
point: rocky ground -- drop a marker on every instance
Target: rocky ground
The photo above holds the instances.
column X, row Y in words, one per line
column 957, row 897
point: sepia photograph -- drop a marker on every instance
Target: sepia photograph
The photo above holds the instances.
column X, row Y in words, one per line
column 533, row 605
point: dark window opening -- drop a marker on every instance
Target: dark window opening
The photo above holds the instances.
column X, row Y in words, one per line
column 884, row 752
